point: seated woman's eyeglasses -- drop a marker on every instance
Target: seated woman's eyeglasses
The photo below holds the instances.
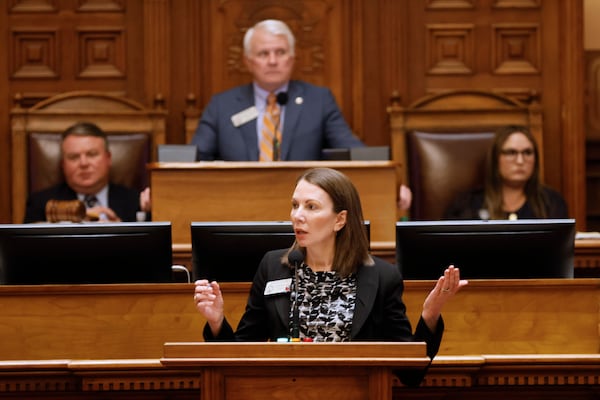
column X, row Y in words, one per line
column 513, row 154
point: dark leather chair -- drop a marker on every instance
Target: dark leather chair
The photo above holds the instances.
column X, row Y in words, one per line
column 130, row 154
column 134, row 133
column 441, row 165
column 440, row 142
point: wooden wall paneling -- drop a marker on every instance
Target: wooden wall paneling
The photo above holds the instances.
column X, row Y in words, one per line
column 186, row 45
column 219, row 58
column 552, row 99
column 592, row 132
column 5, row 176
column 157, row 57
column 414, row 54
column 134, row 81
column 352, row 48
column 592, row 95
column 572, row 134
column 374, row 46
column 354, row 85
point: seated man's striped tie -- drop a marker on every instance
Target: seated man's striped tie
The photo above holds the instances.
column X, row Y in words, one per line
column 270, row 139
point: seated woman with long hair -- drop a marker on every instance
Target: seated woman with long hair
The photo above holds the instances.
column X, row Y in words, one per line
column 512, row 187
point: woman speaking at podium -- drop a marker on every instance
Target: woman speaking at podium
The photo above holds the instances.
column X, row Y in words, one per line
column 326, row 287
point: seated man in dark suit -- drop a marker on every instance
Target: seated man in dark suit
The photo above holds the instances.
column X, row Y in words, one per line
column 85, row 163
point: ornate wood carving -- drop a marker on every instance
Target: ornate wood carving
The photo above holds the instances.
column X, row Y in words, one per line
column 516, row 49
column 101, row 53
column 450, row 49
column 308, row 20
column 517, row 3
column 34, row 53
column 32, row 6
column 450, row 4
column 101, row 5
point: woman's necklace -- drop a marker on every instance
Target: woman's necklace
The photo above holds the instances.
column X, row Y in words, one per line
column 512, row 204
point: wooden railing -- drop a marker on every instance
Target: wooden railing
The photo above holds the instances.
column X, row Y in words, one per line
column 521, row 339
column 554, row 377
column 134, row 321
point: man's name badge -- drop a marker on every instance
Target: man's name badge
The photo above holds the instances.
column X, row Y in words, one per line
column 278, row 286
column 244, row 116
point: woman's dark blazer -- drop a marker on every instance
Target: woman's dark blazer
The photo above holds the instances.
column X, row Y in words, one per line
column 379, row 313
column 467, row 206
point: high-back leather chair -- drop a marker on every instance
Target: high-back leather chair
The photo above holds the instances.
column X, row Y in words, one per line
column 441, row 141
column 133, row 131
column 442, row 165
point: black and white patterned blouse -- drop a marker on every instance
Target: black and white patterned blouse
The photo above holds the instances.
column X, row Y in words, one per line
column 326, row 304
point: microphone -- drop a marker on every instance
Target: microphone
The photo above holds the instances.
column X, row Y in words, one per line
column 282, row 99
column 295, row 258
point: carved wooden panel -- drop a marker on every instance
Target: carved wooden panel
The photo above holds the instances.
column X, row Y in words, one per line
column 450, row 49
column 101, row 5
column 32, row 6
column 593, row 95
column 34, row 53
column 516, row 49
column 450, row 4
column 101, row 53
column 517, row 3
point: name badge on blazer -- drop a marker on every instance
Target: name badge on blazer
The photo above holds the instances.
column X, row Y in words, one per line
column 279, row 286
column 244, row 116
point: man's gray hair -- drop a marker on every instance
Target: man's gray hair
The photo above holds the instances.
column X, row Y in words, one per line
column 274, row 27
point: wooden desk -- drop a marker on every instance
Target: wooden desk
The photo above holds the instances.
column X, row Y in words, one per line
column 134, row 321
column 587, row 258
column 236, row 371
column 249, row 191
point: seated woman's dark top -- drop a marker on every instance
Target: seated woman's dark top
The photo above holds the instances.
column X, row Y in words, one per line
column 469, row 205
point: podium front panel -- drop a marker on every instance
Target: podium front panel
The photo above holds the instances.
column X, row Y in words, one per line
column 250, row 191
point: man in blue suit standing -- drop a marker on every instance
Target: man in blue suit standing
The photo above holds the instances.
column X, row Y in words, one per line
column 310, row 120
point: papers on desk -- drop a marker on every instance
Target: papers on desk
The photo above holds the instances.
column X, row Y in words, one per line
column 587, row 235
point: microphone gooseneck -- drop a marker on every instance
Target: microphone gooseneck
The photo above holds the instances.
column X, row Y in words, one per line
column 282, row 99
column 295, row 258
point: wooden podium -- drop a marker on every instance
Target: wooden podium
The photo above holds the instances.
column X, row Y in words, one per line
column 349, row 371
column 251, row 191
